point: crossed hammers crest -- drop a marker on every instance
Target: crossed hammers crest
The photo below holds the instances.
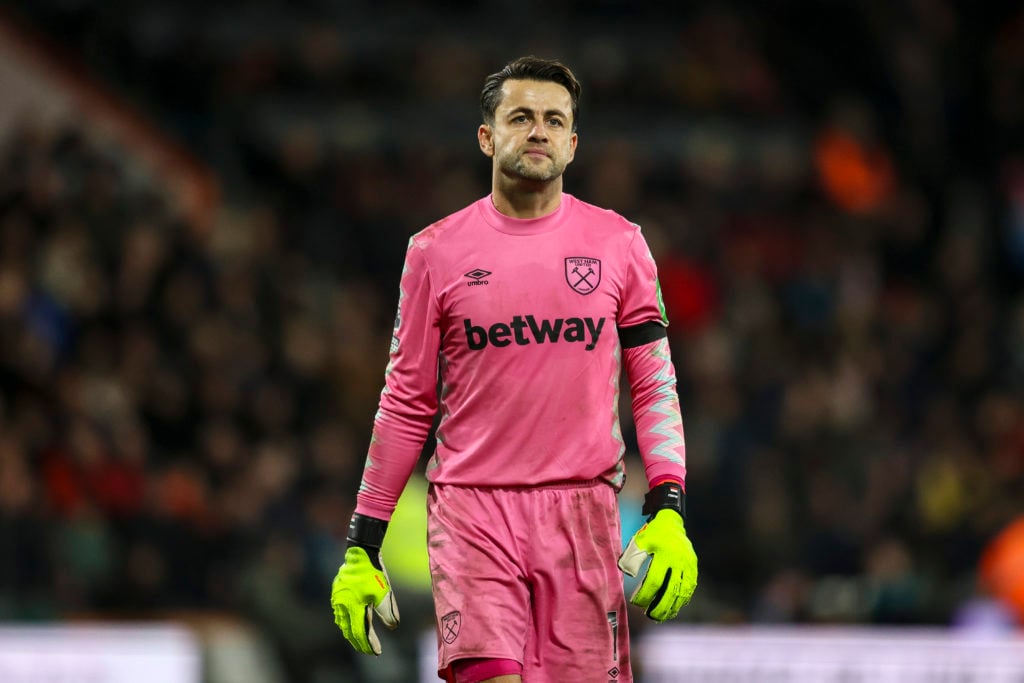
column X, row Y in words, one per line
column 582, row 273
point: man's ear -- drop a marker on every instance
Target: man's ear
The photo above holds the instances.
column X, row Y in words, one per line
column 485, row 136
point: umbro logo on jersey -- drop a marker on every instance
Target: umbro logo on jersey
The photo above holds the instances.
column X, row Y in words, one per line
column 477, row 276
column 583, row 273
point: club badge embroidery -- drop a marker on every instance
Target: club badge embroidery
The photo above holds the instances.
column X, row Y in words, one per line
column 583, row 273
column 450, row 624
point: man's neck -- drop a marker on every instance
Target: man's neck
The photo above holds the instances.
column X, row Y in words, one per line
column 526, row 199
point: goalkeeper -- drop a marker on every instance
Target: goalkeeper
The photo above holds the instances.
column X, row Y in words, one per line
column 526, row 304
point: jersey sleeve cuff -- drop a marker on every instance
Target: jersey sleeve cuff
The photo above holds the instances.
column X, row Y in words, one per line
column 376, row 511
column 666, row 478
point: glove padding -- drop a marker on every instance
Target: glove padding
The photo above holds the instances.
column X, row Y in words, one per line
column 671, row 576
column 359, row 590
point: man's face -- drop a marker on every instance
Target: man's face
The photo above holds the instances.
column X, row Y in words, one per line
column 532, row 137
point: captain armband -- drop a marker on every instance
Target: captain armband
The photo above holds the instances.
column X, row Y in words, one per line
column 644, row 333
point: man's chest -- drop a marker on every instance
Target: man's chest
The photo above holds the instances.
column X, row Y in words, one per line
column 533, row 280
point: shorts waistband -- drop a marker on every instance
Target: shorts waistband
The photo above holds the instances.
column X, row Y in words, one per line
column 559, row 484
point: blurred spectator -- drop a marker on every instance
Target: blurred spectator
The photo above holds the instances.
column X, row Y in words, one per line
column 1002, row 567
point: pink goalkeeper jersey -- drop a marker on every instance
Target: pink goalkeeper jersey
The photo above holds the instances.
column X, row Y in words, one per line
column 519, row 319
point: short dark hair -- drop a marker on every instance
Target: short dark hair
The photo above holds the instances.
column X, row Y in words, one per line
column 529, row 69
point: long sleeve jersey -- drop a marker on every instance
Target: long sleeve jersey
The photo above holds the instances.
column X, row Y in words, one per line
column 511, row 328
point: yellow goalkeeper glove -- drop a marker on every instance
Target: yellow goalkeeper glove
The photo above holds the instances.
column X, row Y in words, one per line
column 362, row 586
column 671, row 575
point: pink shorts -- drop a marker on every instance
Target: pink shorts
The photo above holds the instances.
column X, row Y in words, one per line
column 530, row 574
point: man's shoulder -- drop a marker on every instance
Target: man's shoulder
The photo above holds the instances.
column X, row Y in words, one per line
column 596, row 215
column 441, row 230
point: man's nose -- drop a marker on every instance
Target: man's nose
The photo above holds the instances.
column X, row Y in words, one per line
column 539, row 132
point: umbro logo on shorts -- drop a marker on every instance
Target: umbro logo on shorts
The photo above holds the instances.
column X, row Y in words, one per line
column 477, row 276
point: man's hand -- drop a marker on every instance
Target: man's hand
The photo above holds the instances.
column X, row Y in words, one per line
column 359, row 590
column 362, row 587
column 671, row 576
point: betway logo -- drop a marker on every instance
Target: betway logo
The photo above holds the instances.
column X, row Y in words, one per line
column 524, row 330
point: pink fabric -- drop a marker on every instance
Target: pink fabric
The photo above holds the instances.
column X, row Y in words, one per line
column 659, row 425
column 476, row 670
column 486, row 302
column 530, row 575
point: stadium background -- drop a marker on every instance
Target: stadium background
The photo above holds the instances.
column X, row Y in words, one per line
column 203, row 212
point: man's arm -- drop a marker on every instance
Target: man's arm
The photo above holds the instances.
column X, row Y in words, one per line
column 407, row 407
column 643, row 336
column 408, row 402
column 670, row 577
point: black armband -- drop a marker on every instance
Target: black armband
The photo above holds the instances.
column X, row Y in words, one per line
column 638, row 335
column 366, row 532
column 667, row 496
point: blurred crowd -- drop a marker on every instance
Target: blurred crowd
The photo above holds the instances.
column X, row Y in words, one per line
column 838, row 217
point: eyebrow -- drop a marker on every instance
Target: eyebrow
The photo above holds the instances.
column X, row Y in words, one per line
column 527, row 110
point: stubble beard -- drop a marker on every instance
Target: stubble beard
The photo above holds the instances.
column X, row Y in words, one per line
column 520, row 167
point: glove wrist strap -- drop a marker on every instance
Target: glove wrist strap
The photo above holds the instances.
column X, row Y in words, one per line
column 667, row 496
column 366, row 532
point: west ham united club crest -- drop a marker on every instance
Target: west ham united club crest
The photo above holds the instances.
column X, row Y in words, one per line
column 583, row 273
column 450, row 625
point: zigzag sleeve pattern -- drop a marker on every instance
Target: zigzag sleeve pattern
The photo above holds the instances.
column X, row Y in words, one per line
column 656, row 412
